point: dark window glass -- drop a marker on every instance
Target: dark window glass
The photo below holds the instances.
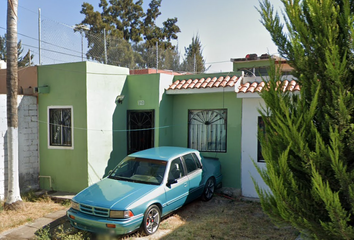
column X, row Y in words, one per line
column 60, row 127
column 261, row 130
column 176, row 169
column 192, row 163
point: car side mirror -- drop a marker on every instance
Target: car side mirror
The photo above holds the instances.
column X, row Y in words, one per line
column 170, row 182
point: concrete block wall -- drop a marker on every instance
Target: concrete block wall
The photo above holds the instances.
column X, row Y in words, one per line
column 27, row 145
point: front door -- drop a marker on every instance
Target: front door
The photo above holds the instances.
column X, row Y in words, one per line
column 140, row 130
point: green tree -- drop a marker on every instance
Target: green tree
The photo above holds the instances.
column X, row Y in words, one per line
column 169, row 58
column 308, row 146
column 194, row 60
column 23, row 61
column 124, row 19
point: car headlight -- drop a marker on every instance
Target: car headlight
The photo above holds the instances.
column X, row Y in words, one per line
column 75, row 205
column 120, row 214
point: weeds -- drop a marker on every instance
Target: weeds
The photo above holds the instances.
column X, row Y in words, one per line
column 66, row 203
column 43, row 234
column 61, row 233
column 217, row 219
column 35, row 206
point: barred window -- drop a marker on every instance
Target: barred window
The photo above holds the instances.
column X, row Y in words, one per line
column 207, row 130
column 60, row 127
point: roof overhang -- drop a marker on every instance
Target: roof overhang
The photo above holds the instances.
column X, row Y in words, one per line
column 200, row 90
column 248, row 95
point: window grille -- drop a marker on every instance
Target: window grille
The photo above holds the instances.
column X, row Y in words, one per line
column 207, row 130
column 60, row 127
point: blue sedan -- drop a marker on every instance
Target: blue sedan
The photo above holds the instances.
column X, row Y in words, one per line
column 144, row 187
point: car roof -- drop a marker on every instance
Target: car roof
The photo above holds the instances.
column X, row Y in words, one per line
column 162, row 153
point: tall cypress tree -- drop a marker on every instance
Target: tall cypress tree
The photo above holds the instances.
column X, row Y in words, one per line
column 194, row 60
column 308, row 146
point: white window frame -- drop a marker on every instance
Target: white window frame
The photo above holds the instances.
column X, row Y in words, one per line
column 72, row 127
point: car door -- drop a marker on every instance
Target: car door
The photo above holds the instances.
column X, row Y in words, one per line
column 194, row 174
column 177, row 187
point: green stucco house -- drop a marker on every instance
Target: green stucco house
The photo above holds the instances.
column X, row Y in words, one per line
column 76, row 108
column 92, row 115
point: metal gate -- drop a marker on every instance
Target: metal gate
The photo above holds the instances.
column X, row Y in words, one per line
column 140, row 130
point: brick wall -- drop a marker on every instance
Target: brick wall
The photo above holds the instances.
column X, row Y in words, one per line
column 27, row 144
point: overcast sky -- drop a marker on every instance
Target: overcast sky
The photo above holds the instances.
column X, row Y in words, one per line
column 227, row 28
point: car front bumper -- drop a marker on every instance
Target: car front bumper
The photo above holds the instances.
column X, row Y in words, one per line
column 96, row 224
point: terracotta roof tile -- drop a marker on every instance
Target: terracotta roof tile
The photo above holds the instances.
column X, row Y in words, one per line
column 180, row 84
column 214, row 82
column 286, row 85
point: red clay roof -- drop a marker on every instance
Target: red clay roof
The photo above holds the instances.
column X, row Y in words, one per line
column 286, row 85
column 209, row 82
column 152, row 71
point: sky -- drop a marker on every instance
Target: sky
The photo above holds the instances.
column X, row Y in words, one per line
column 226, row 28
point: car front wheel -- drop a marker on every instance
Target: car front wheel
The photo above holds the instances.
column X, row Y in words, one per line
column 209, row 189
column 152, row 218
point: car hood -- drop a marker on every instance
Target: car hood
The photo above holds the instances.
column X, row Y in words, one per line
column 113, row 194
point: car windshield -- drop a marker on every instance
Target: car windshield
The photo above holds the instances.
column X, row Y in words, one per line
column 140, row 170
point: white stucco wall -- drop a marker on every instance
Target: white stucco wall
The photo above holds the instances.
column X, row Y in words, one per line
column 27, row 144
column 102, row 90
column 250, row 115
column 165, row 81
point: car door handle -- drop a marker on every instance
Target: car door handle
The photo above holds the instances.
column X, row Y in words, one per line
column 185, row 184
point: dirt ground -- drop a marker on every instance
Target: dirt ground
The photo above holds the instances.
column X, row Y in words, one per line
column 220, row 218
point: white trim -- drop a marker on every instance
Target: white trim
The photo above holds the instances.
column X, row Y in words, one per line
column 248, row 95
column 72, row 128
column 201, row 90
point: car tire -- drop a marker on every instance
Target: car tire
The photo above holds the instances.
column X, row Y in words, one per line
column 209, row 189
column 151, row 221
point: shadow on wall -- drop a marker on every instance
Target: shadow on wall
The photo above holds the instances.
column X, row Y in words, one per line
column 119, row 134
column 28, row 160
column 28, row 141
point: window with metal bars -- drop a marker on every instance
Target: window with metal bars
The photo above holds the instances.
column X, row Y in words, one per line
column 207, row 130
column 140, row 133
column 60, row 127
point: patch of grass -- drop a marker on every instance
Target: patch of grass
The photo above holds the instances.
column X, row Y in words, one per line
column 225, row 219
column 219, row 218
column 43, row 234
column 34, row 207
column 70, row 234
column 66, row 203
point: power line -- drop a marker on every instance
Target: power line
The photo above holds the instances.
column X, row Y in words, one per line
column 62, row 50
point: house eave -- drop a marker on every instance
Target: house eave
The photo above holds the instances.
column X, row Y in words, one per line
column 200, row 91
column 248, row 95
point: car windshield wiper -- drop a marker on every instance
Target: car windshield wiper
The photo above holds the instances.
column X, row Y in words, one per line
column 119, row 178
column 126, row 179
column 132, row 180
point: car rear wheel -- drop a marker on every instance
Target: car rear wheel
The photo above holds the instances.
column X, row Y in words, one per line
column 209, row 189
column 152, row 218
